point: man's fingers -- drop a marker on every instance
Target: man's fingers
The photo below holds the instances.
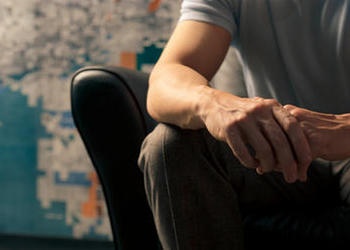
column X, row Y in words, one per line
column 297, row 139
column 285, row 160
column 254, row 150
column 263, row 147
column 241, row 150
column 270, row 140
column 263, row 151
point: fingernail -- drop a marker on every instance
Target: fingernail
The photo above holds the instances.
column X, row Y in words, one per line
column 259, row 170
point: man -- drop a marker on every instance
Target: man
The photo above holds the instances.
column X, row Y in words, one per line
column 216, row 155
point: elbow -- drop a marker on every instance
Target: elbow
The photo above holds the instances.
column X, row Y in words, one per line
column 151, row 104
column 151, row 109
column 152, row 97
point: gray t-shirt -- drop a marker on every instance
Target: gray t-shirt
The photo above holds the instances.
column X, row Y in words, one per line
column 297, row 51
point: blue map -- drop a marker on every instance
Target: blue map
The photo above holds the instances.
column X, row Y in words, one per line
column 47, row 183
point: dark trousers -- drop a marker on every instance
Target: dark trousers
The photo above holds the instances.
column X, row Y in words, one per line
column 198, row 190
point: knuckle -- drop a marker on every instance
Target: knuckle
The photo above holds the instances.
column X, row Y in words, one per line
column 288, row 107
column 272, row 102
column 297, row 113
column 258, row 99
column 264, row 105
column 241, row 118
column 229, row 134
column 222, row 135
column 257, row 109
column 291, row 124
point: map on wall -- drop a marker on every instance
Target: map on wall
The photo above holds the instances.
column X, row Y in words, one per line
column 48, row 185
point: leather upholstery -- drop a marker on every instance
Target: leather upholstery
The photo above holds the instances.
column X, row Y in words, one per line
column 108, row 110
column 108, row 105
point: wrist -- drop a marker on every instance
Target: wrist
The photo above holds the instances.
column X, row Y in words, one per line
column 336, row 139
column 202, row 103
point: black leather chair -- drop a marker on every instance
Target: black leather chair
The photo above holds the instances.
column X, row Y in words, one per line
column 108, row 106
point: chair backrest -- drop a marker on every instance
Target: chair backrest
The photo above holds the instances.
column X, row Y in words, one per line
column 108, row 108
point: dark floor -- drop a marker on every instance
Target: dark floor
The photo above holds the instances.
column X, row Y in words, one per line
column 34, row 243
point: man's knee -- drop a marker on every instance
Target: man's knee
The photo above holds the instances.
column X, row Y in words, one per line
column 163, row 142
column 164, row 159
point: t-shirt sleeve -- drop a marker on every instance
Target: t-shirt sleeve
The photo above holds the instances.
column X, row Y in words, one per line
column 218, row 12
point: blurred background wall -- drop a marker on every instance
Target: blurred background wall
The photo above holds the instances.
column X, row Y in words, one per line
column 47, row 184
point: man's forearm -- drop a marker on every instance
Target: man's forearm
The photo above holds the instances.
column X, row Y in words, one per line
column 176, row 94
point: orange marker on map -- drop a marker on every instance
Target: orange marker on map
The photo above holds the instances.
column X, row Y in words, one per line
column 154, row 5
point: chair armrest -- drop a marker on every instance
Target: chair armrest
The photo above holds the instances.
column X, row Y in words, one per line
column 108, row 108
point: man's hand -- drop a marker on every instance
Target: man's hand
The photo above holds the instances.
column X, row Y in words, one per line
column 328, row 134
column 261, row 134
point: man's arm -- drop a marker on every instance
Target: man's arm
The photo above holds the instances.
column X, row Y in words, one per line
column 328, row 134
column 179, row 94
column 180, row 78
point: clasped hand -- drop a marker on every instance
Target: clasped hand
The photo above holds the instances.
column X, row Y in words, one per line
column 262, row 134
column 328, row 134
column 267, row 136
